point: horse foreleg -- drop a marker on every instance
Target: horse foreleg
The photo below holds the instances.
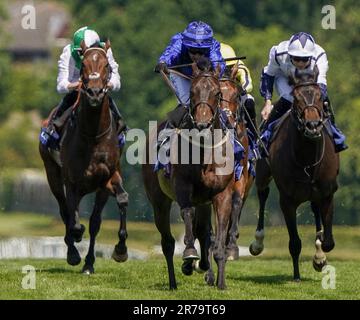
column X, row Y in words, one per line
column 74, row 230
column 190, row 252
column 326, row 207
column 222, row 206
column 120, row 251
column 232, row 249
column 257, row 246
column 319, row 259
column 94, row 227
column 289, row 210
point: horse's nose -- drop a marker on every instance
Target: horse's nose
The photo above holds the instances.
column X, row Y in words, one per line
column 202, row 125
column 94, row 91
column 312, row 124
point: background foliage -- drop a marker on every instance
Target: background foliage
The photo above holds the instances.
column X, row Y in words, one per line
column 140, row 29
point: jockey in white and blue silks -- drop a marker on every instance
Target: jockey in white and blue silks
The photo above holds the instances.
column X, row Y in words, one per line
column 300, row 52
column 186, row 47
column 68, row 81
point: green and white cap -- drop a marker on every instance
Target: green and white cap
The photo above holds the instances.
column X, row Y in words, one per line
column 89, row 36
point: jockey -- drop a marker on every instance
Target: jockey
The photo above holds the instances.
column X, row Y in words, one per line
column 244, row 79
column 68, row 79
column 186, row 47
column 300, row 52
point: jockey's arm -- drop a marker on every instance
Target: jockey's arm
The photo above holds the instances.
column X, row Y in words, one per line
column 244, row 78
column 267, row 82
column 172, row 52
column 215, row 55
column 63, row 84
column 114, row 83
column 323, row 67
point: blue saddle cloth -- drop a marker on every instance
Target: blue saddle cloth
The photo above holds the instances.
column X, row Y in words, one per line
column 333, row 131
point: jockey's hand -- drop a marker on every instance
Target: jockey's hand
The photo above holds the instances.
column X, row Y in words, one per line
column 266, row 109
column 161, row 66
column 73, row 85
column 109, row 86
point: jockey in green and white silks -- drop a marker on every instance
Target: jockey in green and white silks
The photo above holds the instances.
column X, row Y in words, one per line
column 300, row 52
column 69, row 66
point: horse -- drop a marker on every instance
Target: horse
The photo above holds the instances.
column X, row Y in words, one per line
column 230, row 95
column 195, row 186
column 304, row 165
column 90, row 161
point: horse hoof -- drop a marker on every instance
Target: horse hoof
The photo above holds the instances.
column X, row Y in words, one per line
column 255, row 249
column 73, row 258
column 297, row 280
column 77, row 234
column 190, row 254
column 88, row 270
column 210, row 278
column 119, row 255
column 187, row 268
column 318, row 266
column 232, row 253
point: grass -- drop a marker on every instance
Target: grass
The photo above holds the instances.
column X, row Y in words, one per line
column 268, row 276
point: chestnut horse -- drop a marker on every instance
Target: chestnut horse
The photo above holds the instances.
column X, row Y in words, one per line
column 304, row 165
column 195, row 186
column 231, row 91
column 90, row 160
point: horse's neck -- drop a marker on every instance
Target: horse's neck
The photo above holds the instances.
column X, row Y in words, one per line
column 305, row 151
column 94, row 120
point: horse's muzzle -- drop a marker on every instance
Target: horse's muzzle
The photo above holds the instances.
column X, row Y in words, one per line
column 95, row 96
column 313, row 128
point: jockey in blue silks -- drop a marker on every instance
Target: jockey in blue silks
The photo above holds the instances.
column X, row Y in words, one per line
column 300, row 52
column 186, row 47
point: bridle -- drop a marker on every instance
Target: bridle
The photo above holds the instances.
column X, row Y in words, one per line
column 228, row 111
column 298, row 115
column 94, row 75
column 212, row 107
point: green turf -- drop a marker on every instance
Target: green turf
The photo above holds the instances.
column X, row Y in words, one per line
column 268, row 276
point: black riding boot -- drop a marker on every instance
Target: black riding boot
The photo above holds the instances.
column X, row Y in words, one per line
column 176, row 116
column 280, row 108
column 121, row 125
column 250, row 117
column 68, row 100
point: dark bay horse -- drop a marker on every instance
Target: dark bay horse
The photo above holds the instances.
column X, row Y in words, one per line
column 304, row 166
column 230, row 91
column 195, row 186
column 90, row 161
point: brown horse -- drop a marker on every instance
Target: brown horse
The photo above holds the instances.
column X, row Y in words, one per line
column 195, row 187
column 305, row 166
column 231, row 91
column 90, row 161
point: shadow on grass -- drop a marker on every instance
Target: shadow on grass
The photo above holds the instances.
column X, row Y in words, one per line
column 273, row 279
column 61, row 270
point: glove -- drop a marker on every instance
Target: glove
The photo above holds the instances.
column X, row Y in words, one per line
column 161, row 66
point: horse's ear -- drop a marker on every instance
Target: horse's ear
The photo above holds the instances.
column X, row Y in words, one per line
column 107, row 45
column 234, row 71
column 296, row 78
column 195, row 69
column 83, row 46
column 218, row 70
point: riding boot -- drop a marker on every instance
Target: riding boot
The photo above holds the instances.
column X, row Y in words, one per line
column 176, row 116
column 280, row 108
column 250, row 117
column 121, row 125
column 339, row 137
